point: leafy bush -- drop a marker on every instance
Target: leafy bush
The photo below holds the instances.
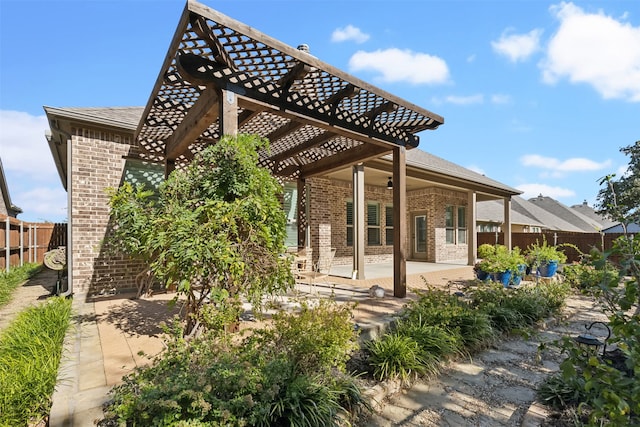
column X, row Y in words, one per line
column 319, row 338
column 439, row 308
column 511, row 309
column 396, row 356
column 30, row 350
column 587, row 277
column 290, row 374
column 14, row 278
column 609, row 393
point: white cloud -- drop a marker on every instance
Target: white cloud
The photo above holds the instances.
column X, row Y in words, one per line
column 34, row 183
column 500, row 99
column 349, row 33
column 458, row 100
column 23, row 146
column 534, row 190
column 517, row 47
column 595, row 49
column 395, row 65
column 42, row 204
column 574, row 164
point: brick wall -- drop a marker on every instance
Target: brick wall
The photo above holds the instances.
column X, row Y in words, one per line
column 97, row 163
column 430, row 201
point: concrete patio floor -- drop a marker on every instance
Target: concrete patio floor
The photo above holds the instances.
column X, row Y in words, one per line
column 115, row 334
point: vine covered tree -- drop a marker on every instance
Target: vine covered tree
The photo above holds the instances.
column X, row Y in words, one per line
column 620, row 197
column 215, row 229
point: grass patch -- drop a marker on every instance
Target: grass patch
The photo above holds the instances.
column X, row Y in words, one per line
column 14, row 278
column 30, row 351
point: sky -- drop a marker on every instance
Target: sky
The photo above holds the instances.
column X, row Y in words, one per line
column 539, row 95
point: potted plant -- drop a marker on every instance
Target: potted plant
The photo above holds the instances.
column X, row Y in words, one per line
column 503, row 265
column 485, row 251
column 544, row 259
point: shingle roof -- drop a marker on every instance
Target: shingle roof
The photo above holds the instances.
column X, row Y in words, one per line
column 493, row 211
column 12, row 210
column 122, row 117
column 589, row 212
column 427, row 161
column 584, row 223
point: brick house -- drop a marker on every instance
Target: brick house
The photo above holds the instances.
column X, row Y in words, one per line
column 344, row 150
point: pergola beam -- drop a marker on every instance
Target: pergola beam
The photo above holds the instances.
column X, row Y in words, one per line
column 200, row 116
column 343, row 159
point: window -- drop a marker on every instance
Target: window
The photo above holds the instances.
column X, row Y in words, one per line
column 448, row 224
column 455, row 223
column 462, row 225
column 373, row 224
column 349, row 223
column 291, row 211
column 138, row 172
column 388, row 226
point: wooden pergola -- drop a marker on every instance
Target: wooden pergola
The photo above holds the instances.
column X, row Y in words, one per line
column 223, row 77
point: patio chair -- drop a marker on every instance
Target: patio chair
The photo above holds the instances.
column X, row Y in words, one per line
column 320, row 270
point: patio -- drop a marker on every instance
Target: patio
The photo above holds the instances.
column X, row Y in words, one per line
column 114, row 334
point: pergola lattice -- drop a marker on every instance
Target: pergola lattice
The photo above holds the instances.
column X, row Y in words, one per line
column 316, row 117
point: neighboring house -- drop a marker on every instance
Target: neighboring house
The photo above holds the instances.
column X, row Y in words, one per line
column 6, row 207
column 588, row 211
column 540, row 214
column 343, row 149
column 490, row 217
column 584, row 223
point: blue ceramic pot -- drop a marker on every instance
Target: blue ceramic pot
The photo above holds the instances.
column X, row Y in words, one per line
column 482, row 275
column 548, row 269
column 503, row 277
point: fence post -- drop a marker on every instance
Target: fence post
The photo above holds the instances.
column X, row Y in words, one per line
column 7, row 243
column 21, row 243
column 29, row 236
column 555, row 239
column 35, row 243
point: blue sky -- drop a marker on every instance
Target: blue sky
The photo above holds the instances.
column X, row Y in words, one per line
column 539, row 95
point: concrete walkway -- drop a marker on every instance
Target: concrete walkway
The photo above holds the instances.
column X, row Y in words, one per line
column 112, row 332
column 494, row 388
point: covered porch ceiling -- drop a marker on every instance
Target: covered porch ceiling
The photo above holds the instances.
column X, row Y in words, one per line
column 317, row 118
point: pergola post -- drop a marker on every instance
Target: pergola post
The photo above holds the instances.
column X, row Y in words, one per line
column 506, row 227
column 472, row 234
column 399, row 222
column 359, row 209
column 228, row 113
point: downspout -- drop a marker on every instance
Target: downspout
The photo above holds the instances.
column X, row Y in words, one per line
column 69, row 247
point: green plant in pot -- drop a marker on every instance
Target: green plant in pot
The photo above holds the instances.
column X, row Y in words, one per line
column 485, row 251
column 544, row 259
column 503, row 265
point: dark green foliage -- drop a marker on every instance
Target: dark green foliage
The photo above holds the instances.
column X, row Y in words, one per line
column 30, row 351
column 315, row 339
column 292, row 374
column 620, row 198
column 457, row 316
column 396, row 356
column 218, row 224
column 559, row 392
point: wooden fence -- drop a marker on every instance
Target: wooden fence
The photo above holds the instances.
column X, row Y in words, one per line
column 26, row 242
column 583, row 241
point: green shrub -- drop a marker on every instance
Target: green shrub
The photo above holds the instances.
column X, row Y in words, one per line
column 559, row 392
column 396, row 356
column 511, row 309
column 433, row 340
column 458, row 317
column 290, row 374
column 14, row 278
column 588, row 277
column 30, row 351
column 319, row 338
